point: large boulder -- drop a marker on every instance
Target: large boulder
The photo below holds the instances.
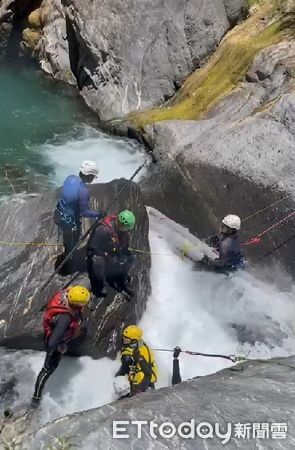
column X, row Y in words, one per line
column 53, row 48
column 24, row 268
column 45, row 36
column 237, row 159
column 253, row 405
column 133, row 54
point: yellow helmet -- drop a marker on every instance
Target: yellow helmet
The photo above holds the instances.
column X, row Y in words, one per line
column 78, row 295
column 132, row 334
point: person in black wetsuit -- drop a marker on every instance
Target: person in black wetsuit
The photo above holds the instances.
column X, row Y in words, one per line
column 228, row 246
column 62, row 322
column 108, row 256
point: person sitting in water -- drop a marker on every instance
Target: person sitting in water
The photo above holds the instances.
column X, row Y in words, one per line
column 62, row 322
column 138, row 371
column 74, row 204
column 228, row 246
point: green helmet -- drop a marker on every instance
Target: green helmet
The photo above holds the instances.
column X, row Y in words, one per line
column 127, row 219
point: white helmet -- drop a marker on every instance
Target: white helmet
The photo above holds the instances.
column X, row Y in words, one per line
column 89, row 168
column 122, row 386
column 232, row 221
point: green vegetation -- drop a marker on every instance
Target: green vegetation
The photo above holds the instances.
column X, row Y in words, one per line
column 63, row 443
column 268, row 25
column 57, row 443
column 252, row 2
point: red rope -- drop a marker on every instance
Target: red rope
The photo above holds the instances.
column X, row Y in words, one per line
column 256, row 240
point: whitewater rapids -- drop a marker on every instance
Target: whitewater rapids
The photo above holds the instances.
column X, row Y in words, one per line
column 194, row 310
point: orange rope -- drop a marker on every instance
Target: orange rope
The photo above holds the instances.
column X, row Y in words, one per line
column 256, row 240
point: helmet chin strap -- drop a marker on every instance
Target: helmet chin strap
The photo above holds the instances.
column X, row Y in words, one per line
column 64, row 298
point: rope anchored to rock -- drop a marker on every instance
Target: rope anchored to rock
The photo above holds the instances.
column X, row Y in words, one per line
column 232, row 358
column 187, row 246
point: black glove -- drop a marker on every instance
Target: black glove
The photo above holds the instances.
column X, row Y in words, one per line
column 213, row 241
column 176, row 353
column 128, row 293
column 205, row 259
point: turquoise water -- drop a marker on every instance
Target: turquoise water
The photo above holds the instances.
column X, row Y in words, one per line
column 33, row 110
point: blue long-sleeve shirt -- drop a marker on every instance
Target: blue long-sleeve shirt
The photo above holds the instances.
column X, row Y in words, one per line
column 75, row 196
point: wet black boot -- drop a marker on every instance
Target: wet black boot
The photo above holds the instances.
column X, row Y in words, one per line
column 39, row 387
column 127, row 291
column 123, row 288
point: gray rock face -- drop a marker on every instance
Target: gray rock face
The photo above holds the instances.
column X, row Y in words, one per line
column 25, row 268
column 235, row 10
column 261, row 393
column 239, row 159
column 6, row 14
column 133, row 54
column 125, row 55
column 53, row 48
column 5, row 10
column 10, row 9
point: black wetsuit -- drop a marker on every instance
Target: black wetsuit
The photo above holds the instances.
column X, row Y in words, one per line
column 109, row 259
column 53, row 354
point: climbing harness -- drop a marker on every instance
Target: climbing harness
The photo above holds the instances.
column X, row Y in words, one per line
column 66, row 216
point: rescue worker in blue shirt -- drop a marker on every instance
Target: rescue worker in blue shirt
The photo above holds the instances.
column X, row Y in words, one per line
column 228, row 246
column 74, row 204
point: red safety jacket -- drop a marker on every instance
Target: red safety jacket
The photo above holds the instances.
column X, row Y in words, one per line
column 109, row 223
column 59, row 305
column 119, row 242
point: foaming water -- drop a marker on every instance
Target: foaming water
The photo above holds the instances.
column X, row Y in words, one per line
column 115, row 157
column 210, row 313
column 198, row 311
column 46, row 131
column 33, row 111
column 195, row 310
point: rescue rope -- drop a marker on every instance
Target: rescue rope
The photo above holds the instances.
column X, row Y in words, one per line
column 256, row 240
column 256, row 213
column 266, row 208
column 186, row 248
column 286, row 241
column 232, row 358
column 210, row 355
column 49, row 244
column 33, row 244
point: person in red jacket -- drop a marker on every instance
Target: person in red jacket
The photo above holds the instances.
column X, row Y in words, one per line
column 62, row 322
column 109, row 258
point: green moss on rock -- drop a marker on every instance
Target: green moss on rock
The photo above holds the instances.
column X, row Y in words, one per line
column 269, row 24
